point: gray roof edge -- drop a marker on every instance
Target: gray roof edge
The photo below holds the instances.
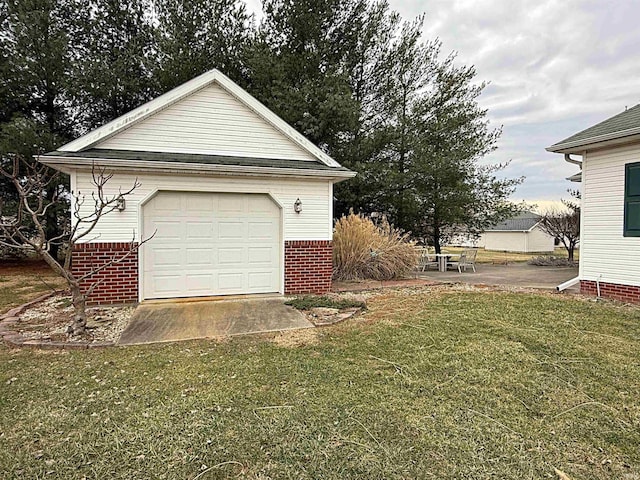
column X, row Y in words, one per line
column 191, row 159
column 58, row 161
column 558, row 147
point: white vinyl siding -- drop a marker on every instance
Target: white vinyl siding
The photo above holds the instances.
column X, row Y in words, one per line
column 313, row 223
column 605, row 253
column 210, row 121
column 504, row 241
column 526, row 242
column 538, row 241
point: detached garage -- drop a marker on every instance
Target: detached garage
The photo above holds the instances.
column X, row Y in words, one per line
column 233, row 199
column 521, row 233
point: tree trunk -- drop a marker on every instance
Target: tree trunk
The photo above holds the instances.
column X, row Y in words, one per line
column 570, row 250
column 436, row 239
column 79, row 301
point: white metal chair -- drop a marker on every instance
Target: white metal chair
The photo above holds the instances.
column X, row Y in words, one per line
column 425, row 259
column 467, row 259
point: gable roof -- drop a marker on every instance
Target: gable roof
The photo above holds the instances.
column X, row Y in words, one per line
column 523, row 222
column 143, row 112
column 620, row 126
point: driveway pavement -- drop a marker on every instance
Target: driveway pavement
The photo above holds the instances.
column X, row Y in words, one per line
column 167, row 321
column 515, row 274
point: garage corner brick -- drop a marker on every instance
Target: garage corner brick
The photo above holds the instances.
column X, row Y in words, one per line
column 118, row 283
column 308, row 266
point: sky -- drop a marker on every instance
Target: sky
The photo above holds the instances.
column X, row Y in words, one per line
column 554, row 67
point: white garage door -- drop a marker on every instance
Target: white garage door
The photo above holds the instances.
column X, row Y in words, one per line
column 210, row 244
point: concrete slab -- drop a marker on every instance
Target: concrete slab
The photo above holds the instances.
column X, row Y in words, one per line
column 516, row 274
column 188, row 320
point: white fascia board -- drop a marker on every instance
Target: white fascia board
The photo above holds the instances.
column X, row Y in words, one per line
column 163, row 101
column 67, row 164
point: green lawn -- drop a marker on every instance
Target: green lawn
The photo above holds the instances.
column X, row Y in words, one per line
column 427, row 384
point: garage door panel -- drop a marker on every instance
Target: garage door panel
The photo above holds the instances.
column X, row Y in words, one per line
column 259, row 280
column 211, row 244
column 259, row 204
column 230, row 282
column 262, row 231
column 199, row 203
column 199, row 230
column 231, row 256
column 198, row 283
column 231, row 204
column 202, row 257
column 231, row 230
column 166, row 257
column 167, row 284
column 165, row 230
column 167, row 204
column 261, row 256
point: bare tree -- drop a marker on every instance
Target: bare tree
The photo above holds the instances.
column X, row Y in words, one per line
column 26, row 228
column 565, row 226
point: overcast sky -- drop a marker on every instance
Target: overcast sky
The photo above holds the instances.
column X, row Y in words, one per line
column 555, row 67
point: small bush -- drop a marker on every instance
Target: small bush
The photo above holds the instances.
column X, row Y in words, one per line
column 363, row 250
column 550, row 261
column 307, row 302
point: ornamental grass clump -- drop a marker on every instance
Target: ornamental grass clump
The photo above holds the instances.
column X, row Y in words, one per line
column 363, row 250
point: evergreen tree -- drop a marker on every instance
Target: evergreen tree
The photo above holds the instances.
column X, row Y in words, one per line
column 114, row 74
column 452, row 191
column 295, row 67
column 38, row 40
column 194, row 37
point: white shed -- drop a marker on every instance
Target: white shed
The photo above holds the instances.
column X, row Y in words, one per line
column 518, row 234
column 236, row 200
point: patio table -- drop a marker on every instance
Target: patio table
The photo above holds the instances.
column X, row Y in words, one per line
column 443, row 258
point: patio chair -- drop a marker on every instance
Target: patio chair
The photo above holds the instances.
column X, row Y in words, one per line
column 467, row 259
column 425, row 259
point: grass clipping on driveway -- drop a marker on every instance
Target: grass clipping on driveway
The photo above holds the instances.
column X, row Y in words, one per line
column 425, row 384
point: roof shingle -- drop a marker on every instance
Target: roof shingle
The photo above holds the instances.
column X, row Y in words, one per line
column 520, row 223
column 620, row 123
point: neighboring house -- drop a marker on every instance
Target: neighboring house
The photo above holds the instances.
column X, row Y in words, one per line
column 610, row 206
column 239, row 202
column 521, row 233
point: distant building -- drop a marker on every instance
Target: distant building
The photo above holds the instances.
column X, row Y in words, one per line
column 521, row 233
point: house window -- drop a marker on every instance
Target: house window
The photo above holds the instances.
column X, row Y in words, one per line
column 632, row 200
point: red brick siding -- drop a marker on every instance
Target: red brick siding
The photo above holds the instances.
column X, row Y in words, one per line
column 624, row 293
column 118, row 283
column 308, row 266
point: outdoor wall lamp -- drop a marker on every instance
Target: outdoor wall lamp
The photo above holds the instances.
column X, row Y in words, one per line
column 297, row 207
column 120, row 203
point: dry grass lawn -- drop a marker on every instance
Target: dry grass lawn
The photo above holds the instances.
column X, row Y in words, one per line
column 428, row 383
column 486, row 256
column 24, row 281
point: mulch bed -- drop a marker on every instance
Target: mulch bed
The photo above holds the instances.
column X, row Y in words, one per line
column 45, row 322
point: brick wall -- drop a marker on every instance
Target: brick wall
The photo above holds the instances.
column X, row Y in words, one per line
column 624, row 293
column 118, row 283
column 308, row 266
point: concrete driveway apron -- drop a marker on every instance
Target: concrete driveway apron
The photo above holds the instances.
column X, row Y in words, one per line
column 170, row 321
